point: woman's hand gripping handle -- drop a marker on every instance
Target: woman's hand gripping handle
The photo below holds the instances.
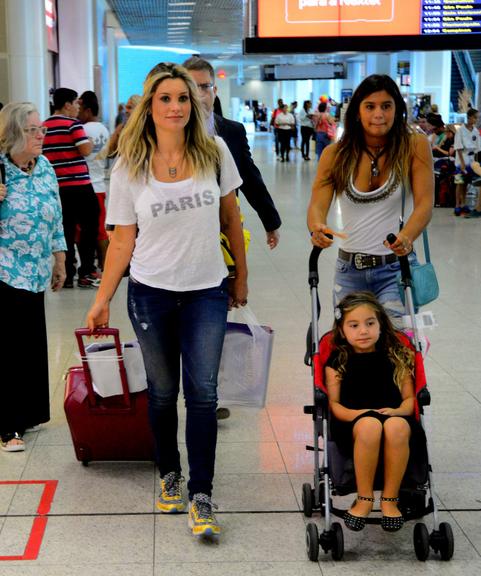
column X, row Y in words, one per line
column 393, row 240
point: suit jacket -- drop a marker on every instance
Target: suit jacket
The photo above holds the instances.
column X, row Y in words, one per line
column 253, row 187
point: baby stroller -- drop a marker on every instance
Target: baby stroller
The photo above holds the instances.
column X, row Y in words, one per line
column 335, row 475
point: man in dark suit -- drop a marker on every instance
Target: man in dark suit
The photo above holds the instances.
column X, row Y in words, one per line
column 235, row 137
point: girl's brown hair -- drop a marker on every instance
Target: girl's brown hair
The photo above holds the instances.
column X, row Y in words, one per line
column 401, row 357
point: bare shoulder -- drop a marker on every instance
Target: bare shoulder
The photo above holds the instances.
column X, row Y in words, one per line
column 330, row 151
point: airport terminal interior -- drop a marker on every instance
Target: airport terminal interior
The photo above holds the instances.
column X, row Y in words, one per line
column 102, row 518
column 60, row 518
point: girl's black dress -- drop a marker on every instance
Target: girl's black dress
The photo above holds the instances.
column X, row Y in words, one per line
column 368, row 383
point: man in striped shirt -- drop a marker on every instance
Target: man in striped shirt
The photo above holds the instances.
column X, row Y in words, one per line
column 66, row 145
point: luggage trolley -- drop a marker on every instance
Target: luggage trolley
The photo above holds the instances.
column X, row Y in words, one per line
column 334, row 476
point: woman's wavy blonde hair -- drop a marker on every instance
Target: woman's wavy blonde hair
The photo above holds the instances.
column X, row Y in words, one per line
column 401, row 357
column 138, row 140
column 399, row 148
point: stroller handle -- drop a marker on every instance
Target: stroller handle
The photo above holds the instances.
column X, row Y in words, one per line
column 403, row 262
column 313, row 259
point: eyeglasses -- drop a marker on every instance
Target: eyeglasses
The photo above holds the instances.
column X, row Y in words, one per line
column 205, row 87
column 34, row 130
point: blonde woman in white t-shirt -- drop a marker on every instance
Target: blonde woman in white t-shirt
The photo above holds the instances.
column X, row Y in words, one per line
column 171, row 192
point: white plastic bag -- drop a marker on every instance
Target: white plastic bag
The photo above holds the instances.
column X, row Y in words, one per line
column 104, row 368
column 245, row 363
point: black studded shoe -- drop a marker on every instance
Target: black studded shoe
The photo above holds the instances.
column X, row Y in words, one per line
column 356, row 523
column 391, row 523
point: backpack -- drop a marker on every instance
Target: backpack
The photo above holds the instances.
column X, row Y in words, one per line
column 331, row 130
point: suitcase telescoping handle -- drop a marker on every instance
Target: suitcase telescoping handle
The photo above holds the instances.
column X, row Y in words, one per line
column 82, row 333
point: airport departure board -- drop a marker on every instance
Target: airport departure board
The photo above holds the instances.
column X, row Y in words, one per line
column 451, row 17
column 372, row 25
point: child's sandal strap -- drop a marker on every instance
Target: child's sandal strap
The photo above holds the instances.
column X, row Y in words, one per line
column 367, row 499
column 389, row 499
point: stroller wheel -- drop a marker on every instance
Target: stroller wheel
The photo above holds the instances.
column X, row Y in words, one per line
column 446, row 541
column 307, row 499
column 312, row 542
column 421, row 541
column 337, row 550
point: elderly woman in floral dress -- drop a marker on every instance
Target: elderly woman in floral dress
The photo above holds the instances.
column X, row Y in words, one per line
column 31, row 237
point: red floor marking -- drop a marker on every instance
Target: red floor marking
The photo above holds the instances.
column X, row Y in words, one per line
column 39, row 523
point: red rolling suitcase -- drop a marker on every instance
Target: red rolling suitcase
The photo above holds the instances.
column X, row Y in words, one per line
column 113, row 428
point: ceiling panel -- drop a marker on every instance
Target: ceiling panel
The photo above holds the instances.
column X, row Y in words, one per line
column 214, row 27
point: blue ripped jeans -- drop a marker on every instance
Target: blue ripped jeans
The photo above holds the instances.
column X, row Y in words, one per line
column 381, row 280
column 171, row 326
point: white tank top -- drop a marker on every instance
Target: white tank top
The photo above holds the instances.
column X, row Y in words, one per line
column 368, row 217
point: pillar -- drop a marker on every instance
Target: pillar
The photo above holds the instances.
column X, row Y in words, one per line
column 27, row 52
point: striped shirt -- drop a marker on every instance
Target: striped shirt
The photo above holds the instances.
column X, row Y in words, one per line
column 60, row 147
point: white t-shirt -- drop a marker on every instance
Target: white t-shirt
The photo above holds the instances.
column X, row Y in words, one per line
column 304, row 119
column 469, row 141
column 99, row 135
column 285, row 121
column 177, row 247
column 368, row 217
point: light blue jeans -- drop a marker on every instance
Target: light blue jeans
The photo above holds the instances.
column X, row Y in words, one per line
column 381, row 280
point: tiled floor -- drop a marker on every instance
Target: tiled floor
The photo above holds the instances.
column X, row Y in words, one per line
column 102, row 520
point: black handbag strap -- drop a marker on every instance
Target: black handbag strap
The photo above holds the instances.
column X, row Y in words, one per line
column 427, row 252
column 2, row 171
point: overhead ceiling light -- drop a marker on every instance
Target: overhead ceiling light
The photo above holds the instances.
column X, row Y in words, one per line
column 162, row 49
column 179, row 17
column 181, row 4
column 177, row 24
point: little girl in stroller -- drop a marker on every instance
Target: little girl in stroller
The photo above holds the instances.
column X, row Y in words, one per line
column 370, row 384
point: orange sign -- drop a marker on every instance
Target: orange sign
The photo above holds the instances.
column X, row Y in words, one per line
column 288, row 18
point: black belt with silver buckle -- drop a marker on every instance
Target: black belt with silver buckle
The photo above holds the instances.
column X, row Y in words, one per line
column 361, row 261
